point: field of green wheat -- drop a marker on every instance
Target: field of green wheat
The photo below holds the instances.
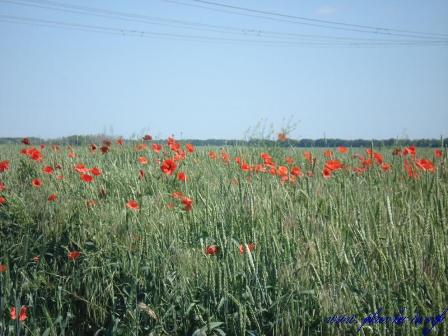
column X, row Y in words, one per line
column 146, row 238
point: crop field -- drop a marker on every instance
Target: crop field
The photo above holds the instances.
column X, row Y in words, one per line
column 164, row 238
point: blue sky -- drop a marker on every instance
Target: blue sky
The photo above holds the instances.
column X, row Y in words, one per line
column 57, row 82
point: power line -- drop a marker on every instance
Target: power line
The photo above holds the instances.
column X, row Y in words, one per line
column 311, row 22
column 123, row 16
column 45, row 4
column 317, row 20
column 150, row 34
column 51, row 25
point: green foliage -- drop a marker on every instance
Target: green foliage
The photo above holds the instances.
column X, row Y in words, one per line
column 346, row 245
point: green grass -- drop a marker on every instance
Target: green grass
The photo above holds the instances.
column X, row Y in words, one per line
column 345, row 245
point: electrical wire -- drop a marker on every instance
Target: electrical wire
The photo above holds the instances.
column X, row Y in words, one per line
column 200, row 38
column 383, row 31
column 386, row 29
column 45, row 4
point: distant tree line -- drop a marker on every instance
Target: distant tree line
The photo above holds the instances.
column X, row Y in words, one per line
column 81, row 140
column 323, row 142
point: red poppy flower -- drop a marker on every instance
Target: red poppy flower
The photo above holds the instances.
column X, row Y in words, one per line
column 36, row 182
column 22, row 315
column 212, row 155
column 259, row 168
column 333, row 165
column 133, row 205
column 141, row 173
column 359, row 170
column 86, row 178
column 71, row 155
column 342, row 149
column 265, row 156
column 328, row 153
column 245, row 166
column 181, row 176
column 374, row 155
column 409, row 150
column 378, row 158
column 366, row 163
column 385, row 166
column 156, row 147
column 4, row 165
column 174, row 146
column 425, row 165
column 287, row 178
column 438, row 153
column 107, row 143
column 282, row 137
column 2, row 186
column 188, row 203
column 142, row 160
column 47, row 170
column 295, row 171
column 26, row 141
column 289, row 160
column 190, row 148
column 96, row 171
column 180, row 155
column 59, row 177
column 140, row 147
column 80, row 168
column 177, row 195
column 34, row 154
column 52, row 198
column 267, row 159
column 120, row 141
column 409, row 168
column 73, row 255
column 104, row 149
column 168, row 167
column 238, row 160
column 225, row 156
column 251, row 247
column 308, row 156
column 326, row 173
column 212, row 250
column 3, row 268
column 282, row 171
column 92, row 147
column 147, row 137
column 2, row 200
